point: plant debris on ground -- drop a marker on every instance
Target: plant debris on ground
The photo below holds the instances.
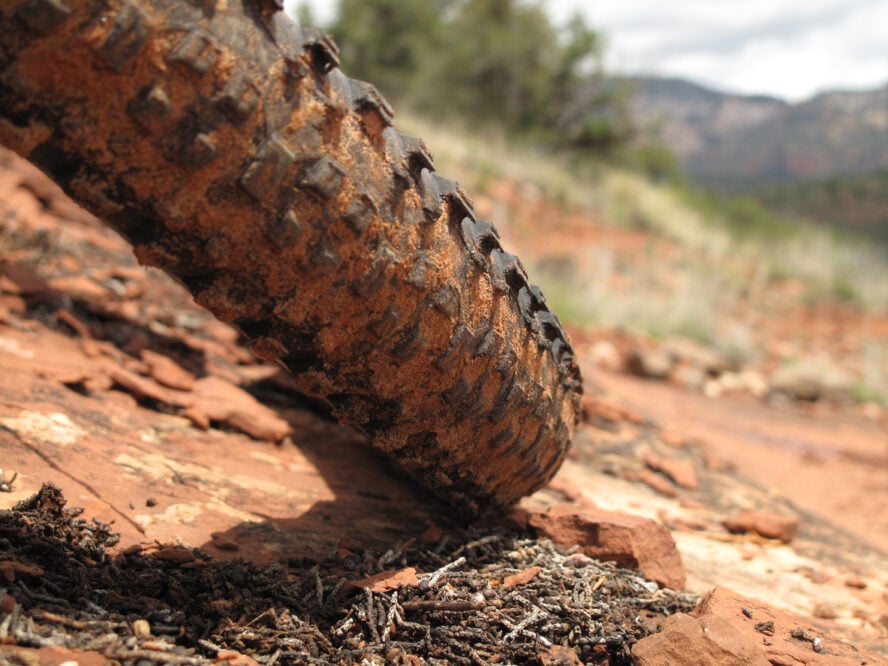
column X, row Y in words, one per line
column 477, row 596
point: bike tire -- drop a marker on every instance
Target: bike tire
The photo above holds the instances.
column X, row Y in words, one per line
column 222, row 140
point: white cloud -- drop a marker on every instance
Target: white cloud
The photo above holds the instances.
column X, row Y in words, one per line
column 323, row 10
column 786, row 48
column 791, row 48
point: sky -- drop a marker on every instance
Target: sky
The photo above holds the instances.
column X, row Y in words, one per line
column 791, row 49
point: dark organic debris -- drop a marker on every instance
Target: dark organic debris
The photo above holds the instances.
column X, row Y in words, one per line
column 766, row 628
column 69, row 591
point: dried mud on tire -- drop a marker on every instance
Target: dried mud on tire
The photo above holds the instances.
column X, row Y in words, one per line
column 178, row 606
column 223, row 141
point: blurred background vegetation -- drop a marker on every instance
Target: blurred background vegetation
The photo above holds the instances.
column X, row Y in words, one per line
column 499, row 63
column 504, row 96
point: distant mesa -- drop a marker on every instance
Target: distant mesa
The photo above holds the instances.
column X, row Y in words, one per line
column 738, row 141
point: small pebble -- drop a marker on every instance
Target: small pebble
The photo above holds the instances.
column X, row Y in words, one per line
column 141, row 628
column 856, row 583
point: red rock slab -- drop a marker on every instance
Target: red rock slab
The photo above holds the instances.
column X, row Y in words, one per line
column 699, row 641
column 673, row 439
column 50, row 656
column 729, row 629
column 215, row 399
column 630, row 541
column 232, row 658
column 388, row 581
column 653, row 481
column 681, row 470
column 767, row 446
column 768, row 525
column 174, row 554
column 166, row 371
column 21, row 280
column 521, row 578
column 80, row 287
column 559, row 656
column 211, row 400
column 601, row 409
column 142, row 387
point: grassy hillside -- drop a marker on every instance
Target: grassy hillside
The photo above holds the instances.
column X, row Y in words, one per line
column 854, row 203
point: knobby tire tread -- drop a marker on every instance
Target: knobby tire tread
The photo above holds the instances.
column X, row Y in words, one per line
column 224, row 143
